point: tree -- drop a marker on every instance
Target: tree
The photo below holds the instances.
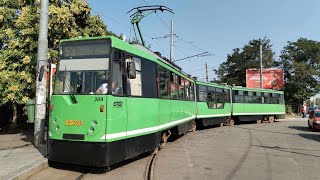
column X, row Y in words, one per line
column 233, row 71
column 19, row 26
column 301, row 63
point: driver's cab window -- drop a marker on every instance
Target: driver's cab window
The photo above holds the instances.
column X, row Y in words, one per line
column 117, row 74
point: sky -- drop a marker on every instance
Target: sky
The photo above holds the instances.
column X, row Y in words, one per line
column 214, row 26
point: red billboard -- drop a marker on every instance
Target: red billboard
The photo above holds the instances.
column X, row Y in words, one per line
column 272, row 78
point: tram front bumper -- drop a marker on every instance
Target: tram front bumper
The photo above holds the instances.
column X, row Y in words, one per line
column 90, row 154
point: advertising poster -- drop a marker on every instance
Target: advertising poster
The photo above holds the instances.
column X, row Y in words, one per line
column 272, row 78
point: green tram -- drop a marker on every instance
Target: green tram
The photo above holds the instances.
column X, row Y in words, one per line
column 113, row 101
column 217, row 104
column 213, row 104
column 257, row 104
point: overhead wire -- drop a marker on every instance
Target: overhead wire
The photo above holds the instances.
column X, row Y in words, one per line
column 126, row 26
column 168, row 27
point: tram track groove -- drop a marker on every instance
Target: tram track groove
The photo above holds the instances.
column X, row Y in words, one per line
column 149, row 173
column 81, row 176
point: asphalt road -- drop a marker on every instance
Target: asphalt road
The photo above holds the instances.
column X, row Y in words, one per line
column 281, row 150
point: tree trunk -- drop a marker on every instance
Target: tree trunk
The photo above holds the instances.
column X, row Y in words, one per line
column 14, row 114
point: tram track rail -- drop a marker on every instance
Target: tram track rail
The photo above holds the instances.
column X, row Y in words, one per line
column 81, row 176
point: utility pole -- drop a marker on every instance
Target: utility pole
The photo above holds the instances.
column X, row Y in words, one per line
column 171, row 43
column 40, row 113
column 207, row 73
column 261, row 78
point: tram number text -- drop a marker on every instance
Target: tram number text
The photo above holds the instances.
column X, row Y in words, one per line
column 117, row 104
column 96, row 99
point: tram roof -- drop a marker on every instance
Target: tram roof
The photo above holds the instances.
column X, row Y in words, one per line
column 136, row 49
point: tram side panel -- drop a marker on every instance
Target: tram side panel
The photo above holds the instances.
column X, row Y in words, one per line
column 253, row 105
column 213, row 104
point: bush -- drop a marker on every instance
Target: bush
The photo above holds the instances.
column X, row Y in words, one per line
column 288, row 109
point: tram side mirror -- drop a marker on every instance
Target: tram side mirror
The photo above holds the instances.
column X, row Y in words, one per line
column 131, row 70
column 41, row 73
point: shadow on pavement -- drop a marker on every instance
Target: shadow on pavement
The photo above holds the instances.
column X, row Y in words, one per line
column 254, row 129
column 315, row 137
column 300, row 128
column 19, row 136
column 96, row 170
column 289, row 150
column 285, row 148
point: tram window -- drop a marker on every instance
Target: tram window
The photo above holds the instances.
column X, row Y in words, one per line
column 117, row 72
column 212, row 97
column 227, row 95
column 250, row 93
column 187, row 90
column 174, row 86
column 192, row 97
column 240, row 93
column 248, row 99
column 239, row 99
column 220, row 97
column 148, row 78
column 281, row 101
column 164, row 89
column 258, row 93
column 184, row 89
column 236, row 92
column 202, row 95
column 257, row 99
column 135, row 85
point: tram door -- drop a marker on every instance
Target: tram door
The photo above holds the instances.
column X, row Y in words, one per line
column 117, row 108
column 164, row 94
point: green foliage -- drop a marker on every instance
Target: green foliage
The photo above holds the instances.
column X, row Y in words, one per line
column 233, row 71
column 288, row 109
column 19, row 26
column 301, row 63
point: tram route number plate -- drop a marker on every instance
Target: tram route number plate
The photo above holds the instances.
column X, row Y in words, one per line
column 73, row 123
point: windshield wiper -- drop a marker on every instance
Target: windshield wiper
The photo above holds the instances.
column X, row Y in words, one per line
column 72, row 96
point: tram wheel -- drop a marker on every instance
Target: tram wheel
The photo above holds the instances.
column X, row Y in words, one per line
column 271, row 119
column 194, row 126
column 230, row 122
column 259, row 121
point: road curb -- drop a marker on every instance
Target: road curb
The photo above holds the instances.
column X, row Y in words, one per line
column 28, row 170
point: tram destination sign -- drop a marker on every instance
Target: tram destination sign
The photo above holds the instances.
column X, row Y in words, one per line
column 85, row 49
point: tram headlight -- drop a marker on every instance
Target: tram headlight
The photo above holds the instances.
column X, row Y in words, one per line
column 57, row 128
column 55, row 120
column 95, row 122
column 91, row 129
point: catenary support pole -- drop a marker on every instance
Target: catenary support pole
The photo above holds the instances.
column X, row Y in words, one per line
column 261, row 78
column 171, row 43
column 40, row 113
column 207, row 78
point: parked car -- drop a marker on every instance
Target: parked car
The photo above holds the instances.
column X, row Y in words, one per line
column 314, row 120
column 311, row 109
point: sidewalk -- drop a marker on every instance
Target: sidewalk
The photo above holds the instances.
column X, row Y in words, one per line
column 295, row 117
column 18, row 157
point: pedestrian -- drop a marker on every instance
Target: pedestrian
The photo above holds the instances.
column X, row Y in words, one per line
column 303, row 112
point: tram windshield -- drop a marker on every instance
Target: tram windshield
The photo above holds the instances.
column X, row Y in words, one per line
column 83, row 67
